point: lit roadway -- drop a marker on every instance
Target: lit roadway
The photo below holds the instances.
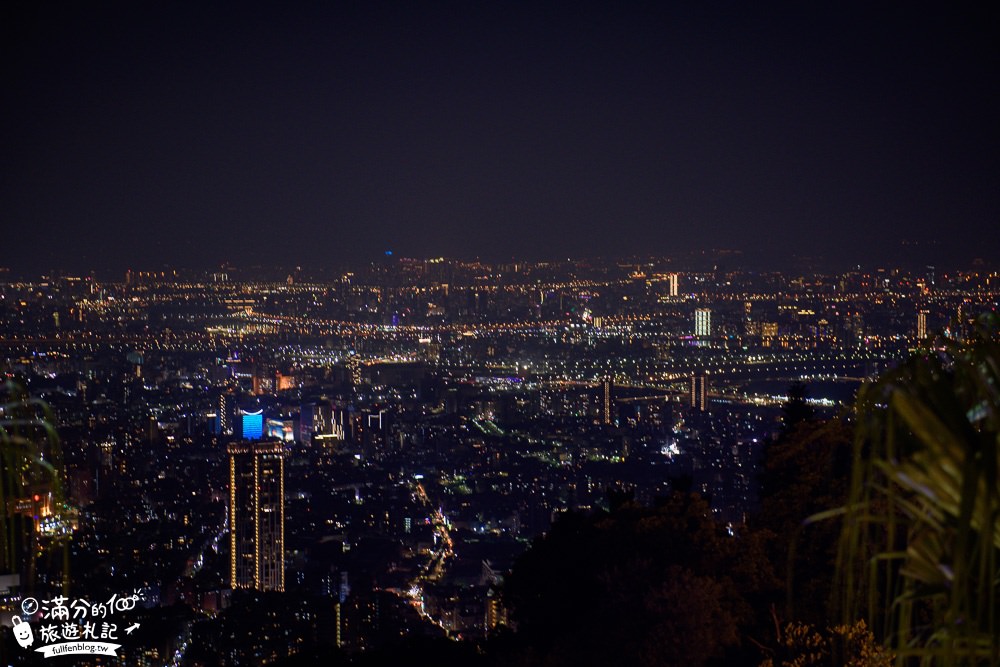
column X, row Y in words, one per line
column 194, row 565
column 434, row 568
column 652, row 374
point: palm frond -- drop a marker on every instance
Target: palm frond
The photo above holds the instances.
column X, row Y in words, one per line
column 921, row 531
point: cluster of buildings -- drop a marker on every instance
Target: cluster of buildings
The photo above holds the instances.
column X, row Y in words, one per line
column 370, row 450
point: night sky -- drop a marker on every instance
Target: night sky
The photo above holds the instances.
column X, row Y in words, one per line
column 148, row 133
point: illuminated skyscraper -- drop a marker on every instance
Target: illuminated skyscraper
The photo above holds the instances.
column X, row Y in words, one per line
column 251, row 425
column 607, row 385
column 674, row 284
column 226, row 412
column 699, row 391
column 703, row 322
column 257, row 515
column 922, row 324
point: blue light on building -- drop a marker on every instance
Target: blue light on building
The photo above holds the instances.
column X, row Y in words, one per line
column 253, row 425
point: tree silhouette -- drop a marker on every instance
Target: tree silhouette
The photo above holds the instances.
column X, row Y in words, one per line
column 639, row 586
column 806, row 471
column 796, row 410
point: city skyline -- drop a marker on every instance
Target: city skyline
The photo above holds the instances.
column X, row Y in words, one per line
column 513, row 333
column 287, row 465
column 705, row 262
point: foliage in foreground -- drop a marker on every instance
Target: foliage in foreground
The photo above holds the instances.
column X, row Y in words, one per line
column 921, row 537
column 30, row 462
column 801, row 645
column 640, row 586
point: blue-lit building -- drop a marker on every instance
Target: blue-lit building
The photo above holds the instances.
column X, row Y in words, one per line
column 252, row 425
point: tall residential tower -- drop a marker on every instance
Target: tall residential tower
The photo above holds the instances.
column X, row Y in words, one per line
column 257, row 515
column 703, row 322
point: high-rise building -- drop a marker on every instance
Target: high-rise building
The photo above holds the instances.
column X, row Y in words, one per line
column 251, row 425
column 257, row 515
column 607, row 403
column 371, row 430
column 699, row 391
column 703, row 322
column 922, row 324
column 226, row 412
column 674, row 284
column 307, row 416
column 496, row 613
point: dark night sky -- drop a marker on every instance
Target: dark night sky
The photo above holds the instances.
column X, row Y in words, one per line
column 148, row 133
